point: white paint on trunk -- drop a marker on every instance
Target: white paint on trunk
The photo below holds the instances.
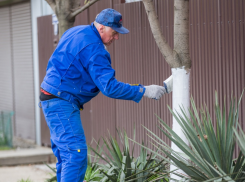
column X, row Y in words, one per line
column 181, row 97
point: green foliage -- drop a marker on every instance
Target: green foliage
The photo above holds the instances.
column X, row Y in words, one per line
column 27, row 180
column 5, row 148
column 210, row 154
column 240, row 139
column 121, row 166
column 93, row 171
column 53, row 177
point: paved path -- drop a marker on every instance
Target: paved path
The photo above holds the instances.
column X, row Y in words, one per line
column 36, row 173
column 26, row 156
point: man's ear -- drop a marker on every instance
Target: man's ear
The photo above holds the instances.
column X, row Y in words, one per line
column 101, row 28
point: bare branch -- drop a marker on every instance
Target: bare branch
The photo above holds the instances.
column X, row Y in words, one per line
column 52, row 4
column 161, row 41
column 75, row 13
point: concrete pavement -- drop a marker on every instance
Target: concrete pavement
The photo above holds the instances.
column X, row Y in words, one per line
column 21, row 164
column 26, row 156
column 35, row 173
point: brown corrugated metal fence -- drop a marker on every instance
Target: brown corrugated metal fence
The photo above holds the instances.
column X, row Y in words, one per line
column 217, row 36
column 46, row 46
column 217, row 52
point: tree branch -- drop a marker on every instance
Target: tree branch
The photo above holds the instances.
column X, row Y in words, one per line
column 75, row 13
column 161, row 41
column 52, row 4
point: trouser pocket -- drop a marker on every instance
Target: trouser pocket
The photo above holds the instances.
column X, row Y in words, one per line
column 78, row 154
column 74, row 163
column 52, row 113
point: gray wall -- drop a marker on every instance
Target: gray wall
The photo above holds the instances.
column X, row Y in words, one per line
column 17, row 83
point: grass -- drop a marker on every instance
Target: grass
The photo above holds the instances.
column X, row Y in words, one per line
column 25, row 180
column 5, row 148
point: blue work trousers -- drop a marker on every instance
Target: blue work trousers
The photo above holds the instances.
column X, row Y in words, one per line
column 68, row 141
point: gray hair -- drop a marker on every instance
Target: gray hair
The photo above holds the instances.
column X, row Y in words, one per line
column 96, row 24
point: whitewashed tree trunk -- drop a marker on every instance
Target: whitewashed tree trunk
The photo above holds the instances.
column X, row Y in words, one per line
column 181, row 76
column 181, row 97
column 178, row 59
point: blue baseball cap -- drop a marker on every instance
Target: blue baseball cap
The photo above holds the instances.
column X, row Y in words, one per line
column 111, row 18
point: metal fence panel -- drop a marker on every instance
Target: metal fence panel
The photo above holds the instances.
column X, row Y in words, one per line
column 46, row 47
column 217, row 36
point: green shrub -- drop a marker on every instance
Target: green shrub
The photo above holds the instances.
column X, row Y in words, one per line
column 23, row 180
column 121, row 166
column 240, row 139
column 93, row 171
column 209, row 155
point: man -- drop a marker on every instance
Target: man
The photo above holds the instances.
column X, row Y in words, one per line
column 78, row 70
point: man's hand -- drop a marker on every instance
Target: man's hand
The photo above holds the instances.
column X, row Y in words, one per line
column 154, row 91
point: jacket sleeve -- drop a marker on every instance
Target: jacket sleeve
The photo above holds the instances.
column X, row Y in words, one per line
column 103, row 76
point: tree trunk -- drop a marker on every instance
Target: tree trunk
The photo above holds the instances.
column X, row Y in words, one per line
column 64, row 25
column 180, row 98
column 181, row 33
column 181, row 81
column 63, row 10
column 178, row 59
column 161, row 41
column 66, row 11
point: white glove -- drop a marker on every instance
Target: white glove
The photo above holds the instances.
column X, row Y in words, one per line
column 154, row 91
column 168, row 84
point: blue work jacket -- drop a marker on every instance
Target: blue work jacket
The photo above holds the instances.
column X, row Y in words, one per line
column 80, row 68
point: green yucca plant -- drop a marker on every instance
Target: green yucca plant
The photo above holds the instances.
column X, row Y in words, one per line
column 53, row 177
column 209, row 155
column 93, row 172
column 25, row 180
column 122, row 166
column 240, row 139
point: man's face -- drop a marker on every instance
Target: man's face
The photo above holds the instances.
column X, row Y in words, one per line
column 109, row 35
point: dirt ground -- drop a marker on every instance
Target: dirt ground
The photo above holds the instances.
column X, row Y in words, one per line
column 35, row 173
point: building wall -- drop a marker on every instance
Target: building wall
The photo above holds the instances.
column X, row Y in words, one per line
column 6, row 85
column 17, row 84
column 217, row 36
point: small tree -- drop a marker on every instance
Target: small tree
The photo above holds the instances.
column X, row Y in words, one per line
column 177, row 58
column 67, row 10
